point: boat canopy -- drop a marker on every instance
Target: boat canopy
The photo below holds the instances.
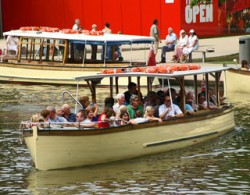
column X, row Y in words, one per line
column 106, row 39
column 203, row 70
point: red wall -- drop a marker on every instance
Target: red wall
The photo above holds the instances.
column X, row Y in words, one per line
column 128, row 16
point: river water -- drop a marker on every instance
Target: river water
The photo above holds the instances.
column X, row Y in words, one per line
column 220, row 166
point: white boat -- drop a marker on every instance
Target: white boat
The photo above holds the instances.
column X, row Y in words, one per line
column 49, row 57
column 238, row 80
column 56, row 148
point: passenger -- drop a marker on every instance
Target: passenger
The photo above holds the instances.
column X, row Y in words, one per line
column 150, row 101
column 66, row 113
column 178, row 52
column 59, row 111
column 53, row 117
column 171, row 41
column 120, row 97
column 124, row 117
column 138, row 119
column 109, row 102
column 131, row 91
column 245, row 65
column 104, row 120
column 45, row 114
column 90, row 114
column 12, row 45
column 159, row 101
column 121, row 109
column 149, row 114
column 77, row 24
column 93, row 47
column 81, row 117
column 35, row 120
column 167, row 110
column 134, row 106
column 84, row 100
column 174, row 95
column 193, row 44
column 190, row 101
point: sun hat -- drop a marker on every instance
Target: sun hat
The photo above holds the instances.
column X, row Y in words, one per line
column 191, row 31
column 182, row 31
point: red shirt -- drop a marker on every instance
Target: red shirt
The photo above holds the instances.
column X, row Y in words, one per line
column 102, row 124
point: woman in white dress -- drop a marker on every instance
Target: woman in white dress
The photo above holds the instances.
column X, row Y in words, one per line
column 193, row 44
column 183, row 41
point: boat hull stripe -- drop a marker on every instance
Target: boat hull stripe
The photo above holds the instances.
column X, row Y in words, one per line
column 178, row 140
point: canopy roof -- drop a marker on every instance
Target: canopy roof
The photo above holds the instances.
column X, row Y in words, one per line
column 203, row 70
column 109, row 39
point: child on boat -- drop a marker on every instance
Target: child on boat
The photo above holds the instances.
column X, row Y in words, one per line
column 149, row 114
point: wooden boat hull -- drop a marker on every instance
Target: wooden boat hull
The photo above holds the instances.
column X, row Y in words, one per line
column 238, row 81
column 52, row 149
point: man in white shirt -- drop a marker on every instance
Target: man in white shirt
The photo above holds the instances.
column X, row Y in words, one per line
column 171, row 41
column 76, row 25
column 120, row 101
column 168, row 110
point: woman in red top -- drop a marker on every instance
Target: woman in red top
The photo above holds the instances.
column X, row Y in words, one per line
column 103, row 120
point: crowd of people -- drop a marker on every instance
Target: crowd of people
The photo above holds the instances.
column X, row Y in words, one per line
column 181, row 47
column 128, row 108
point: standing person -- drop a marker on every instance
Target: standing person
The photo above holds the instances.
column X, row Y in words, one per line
column 131, row 90
column 154, row 32
column 183, row 41
column 171, row 41
column 106, row 49
column 193, row 44
column 167, row 110
column 78, row 47
column 76, row 25
column 93, row 47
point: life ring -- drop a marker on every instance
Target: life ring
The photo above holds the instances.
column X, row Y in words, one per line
column 29, row 28
column 151, row 70
column 112, row 71
column 183, row 67
column 68, row 31
column 49, row 29
column 194, row 67
column 137, row 69
column 165, row 69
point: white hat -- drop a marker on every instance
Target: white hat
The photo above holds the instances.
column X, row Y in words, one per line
column 182, row 31
column 191, row 31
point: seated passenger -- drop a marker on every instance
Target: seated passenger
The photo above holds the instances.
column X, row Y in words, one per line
column 84, row 100
column 121, row 109
column 168, row 110
column 109, row 102
column 104, row 120
column 245, row 65
column 36, row 118
column 124, row 117
column 90, row 114
column 12, row 45
column 149, row 114
column 66, row 113
column 120, row 101
column 150, row 99
column 134, row 106
column 81, row 117
column 178, row 52
column 190, row 101
column 53, row 117
column 45, row 114
column 193, row 44
column 139, row 118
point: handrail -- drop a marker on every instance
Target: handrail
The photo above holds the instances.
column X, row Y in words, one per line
column 76, row 101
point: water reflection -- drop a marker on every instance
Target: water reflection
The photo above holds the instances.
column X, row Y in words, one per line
column 218, row 167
